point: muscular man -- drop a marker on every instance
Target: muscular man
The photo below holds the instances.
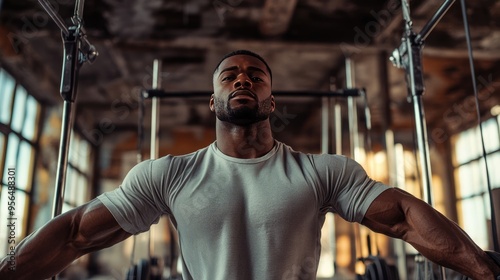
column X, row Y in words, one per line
column 247, row 206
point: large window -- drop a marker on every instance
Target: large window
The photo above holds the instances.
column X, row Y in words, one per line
column 472, row 189
column 19, row 118
column 78, row 176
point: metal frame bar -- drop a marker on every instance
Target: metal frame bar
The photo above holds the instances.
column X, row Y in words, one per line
column 150, row 93
column 429, row 26
column 155, row 132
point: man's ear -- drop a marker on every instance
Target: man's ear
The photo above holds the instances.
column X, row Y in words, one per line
column 211, row 103
column 273, row 104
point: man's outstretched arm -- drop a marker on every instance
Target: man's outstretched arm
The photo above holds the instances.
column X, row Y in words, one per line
column 50, row 249
column 401, row 215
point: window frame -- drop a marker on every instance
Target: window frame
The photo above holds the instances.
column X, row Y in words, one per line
column 479, row 192
column 22, row 211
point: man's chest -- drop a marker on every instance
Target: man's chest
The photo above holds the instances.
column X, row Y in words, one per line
column 242, row 199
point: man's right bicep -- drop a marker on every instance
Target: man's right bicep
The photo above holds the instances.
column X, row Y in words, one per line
column 97, row 228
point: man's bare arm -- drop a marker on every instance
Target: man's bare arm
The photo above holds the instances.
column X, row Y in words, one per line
column 401, row 215
column 50, row 249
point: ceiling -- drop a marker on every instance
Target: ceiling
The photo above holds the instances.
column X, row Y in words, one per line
column 305, row 42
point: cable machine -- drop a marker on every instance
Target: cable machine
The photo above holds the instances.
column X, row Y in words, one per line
column 408, row 56
column 77, row 51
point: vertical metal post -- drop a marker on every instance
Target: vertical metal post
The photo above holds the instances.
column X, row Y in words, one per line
column 409, row 56
column 68, row 90
column 337, row 117
column 338, row 128
column 73, row 58
column 423, row 147
column 352, row 110
column 353, row 135
column 325, row 145
column 155, row 133
column 325, row 124
column 412, row 63
column 416, row 90
column 155, row 112
column 399, row 181
column 62, row 160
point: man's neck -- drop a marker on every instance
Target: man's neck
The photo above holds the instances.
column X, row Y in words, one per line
column 249, row 141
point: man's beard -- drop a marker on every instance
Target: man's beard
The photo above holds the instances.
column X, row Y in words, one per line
column 245, row 114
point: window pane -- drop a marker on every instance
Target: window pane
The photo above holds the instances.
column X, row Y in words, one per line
column 82, row 190
column 84, row 156
column 30, row 124
column 67, row 187
column 470, row 179
column 474, row 220
column 77, row 184
column 70, row 185
column 459, row 148
column 79, row 153
column 493, row 164
column 465, row 149
column 487, row 207
column 73, row 149
column 66, row 207
column 7, row 84
column 19, row 109
column 490, row 132
column 22, row 205
column 25, row 166
column 11, row 157
column 476, row 145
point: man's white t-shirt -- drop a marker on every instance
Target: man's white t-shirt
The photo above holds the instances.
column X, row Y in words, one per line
column 244, row 218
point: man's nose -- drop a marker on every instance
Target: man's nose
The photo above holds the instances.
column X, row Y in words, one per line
column 242, row 81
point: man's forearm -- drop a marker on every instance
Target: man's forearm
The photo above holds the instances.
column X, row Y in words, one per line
column 399, row 214
column 448, row 245
column 49, row 250
column 43, row 253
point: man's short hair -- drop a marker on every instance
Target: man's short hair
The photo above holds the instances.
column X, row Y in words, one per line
column 245, row 52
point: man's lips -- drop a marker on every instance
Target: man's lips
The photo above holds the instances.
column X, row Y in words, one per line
column 243, row 92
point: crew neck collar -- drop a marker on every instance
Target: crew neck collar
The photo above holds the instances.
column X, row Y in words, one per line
column 269, row 154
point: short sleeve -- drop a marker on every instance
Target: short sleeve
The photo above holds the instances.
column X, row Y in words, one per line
column 348, row 189
column 133, row 204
